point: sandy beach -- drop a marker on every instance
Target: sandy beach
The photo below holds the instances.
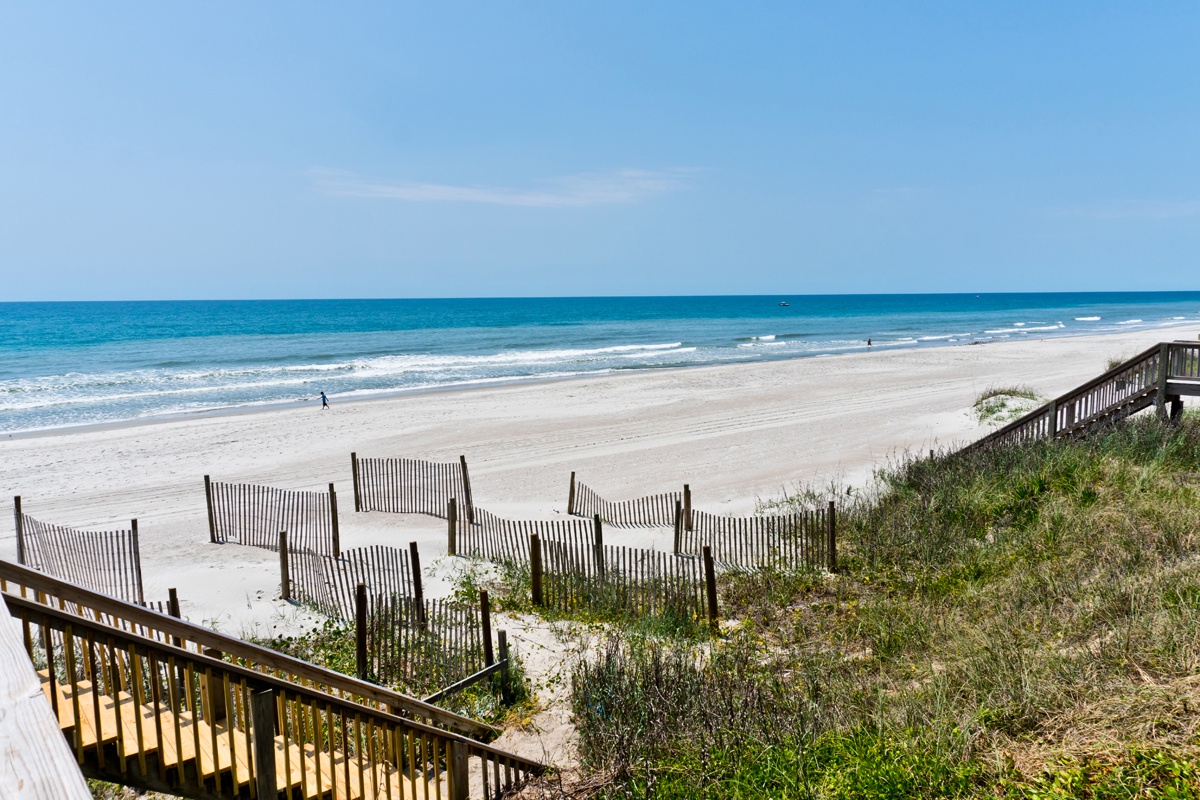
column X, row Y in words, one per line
column 736, row 434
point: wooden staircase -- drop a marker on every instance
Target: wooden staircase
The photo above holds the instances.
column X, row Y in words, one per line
column 1158, row 377
column 156, row 703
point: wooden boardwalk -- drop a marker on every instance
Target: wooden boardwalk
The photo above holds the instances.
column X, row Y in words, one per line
column 159, row 704
column 1159, row 377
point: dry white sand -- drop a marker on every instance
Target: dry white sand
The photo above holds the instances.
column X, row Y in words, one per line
column 735, row 433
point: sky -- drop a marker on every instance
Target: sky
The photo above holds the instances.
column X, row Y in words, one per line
column 255, row 150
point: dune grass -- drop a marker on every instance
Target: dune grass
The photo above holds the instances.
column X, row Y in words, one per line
column 1002, row 404
column 1016, row 622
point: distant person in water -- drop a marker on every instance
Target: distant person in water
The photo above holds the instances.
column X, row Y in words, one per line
column 868, row 345
column 324, row 402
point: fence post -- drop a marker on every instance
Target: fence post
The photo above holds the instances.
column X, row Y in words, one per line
column 505, row 687
column 462, row 460
column 333, row 518
column 535, row 568
column 485, row 618
column 710, row 587
column 931, row 454
column 414, row 561
column 262, row 725
column 687, row 507
column 1052, row 424
column 137, row 561
column 285, row 574
column 357, row 491
column 571, row 495
column 360, row 631
column 212, row 519
column 459, row 788
column 17, row 516
column 1160, row 396
column 678, row 526
column 598, row 545
column 831, row 543
column 452, row 526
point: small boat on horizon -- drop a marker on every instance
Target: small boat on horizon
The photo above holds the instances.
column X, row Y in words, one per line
column 784, row 304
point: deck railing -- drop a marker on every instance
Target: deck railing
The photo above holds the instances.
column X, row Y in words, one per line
column 150, row 714
column 1135, row 384
column 91, row 606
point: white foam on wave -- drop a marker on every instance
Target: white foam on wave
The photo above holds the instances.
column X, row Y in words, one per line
column 1087, row 319
column 1129, row 322
column 768, row 338
column 950, row 336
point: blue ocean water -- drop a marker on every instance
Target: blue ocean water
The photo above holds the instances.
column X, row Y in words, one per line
column 64, row 364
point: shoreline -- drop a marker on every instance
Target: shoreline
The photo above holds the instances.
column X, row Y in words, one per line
column 499, row 383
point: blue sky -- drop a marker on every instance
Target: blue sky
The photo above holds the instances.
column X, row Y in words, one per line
column 238, row 150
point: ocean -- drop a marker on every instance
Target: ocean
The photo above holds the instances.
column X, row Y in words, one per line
column 69, row 364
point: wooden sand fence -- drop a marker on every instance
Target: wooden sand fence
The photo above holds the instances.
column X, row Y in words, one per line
column 108, row 562
column 636, row 582
column 496, row 539
column 329, row 583
column 254, row 515
column 786, row 541
column 658, row 509
column 402, row 638
column 410, row 486
column 423, row 645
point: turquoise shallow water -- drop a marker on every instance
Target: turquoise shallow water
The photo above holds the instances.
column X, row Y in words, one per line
column 65, row 364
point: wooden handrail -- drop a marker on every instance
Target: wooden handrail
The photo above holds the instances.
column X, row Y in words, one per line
column 203, row 637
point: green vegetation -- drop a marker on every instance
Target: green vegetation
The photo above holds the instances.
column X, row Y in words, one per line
column 1002, row 404
column 1021, row 622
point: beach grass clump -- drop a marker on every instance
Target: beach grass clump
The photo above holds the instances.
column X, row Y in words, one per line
column 1018, row 621
column 1002, row 404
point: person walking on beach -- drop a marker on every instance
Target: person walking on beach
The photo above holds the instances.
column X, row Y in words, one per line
column 324, row 402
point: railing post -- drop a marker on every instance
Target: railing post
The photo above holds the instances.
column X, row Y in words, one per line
column 262, row 726
column 535, row 568
column 212, row 519
column 414, row 560
column 470, row 506
column 459, row 788
column 831, row 543
column 571, row 495
column 710, row 588
column 285, row 575
column 598, row 545
column 216, row 690
column 452, row 526
column 687, row 507
column 505, row 677
column 20, row 522
column 357, row 491
column 1164, row 371
column 1052, row 419
column 485, row 621
column 360, row 631
column 333, row 518
column 678, row 527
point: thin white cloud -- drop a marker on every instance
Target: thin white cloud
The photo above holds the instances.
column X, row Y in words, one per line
column 571, row 191
column 1136, row 209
